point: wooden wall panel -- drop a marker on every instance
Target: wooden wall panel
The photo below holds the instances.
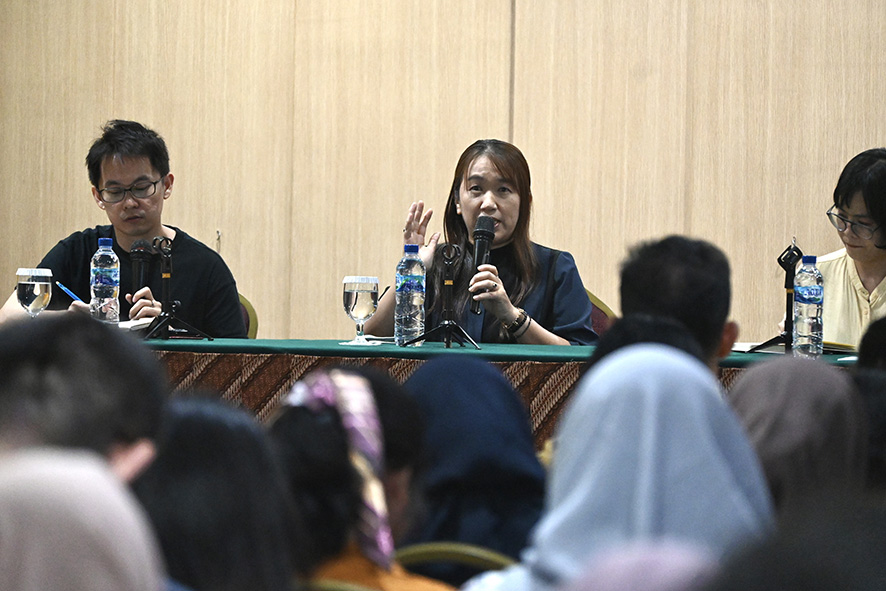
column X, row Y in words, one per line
column 600, row 111
column 781, row 97
column 388, row 94
column 724, row 120
column 218, row 81
column 301, row 130
column 51, row 90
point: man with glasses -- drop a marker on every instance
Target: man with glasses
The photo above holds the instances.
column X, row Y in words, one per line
column 129, row 170
column 854, row 286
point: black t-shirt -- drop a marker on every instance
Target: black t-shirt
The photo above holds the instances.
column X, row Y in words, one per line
column 200, row 280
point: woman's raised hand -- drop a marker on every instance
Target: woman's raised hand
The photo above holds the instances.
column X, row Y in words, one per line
column 415, row 230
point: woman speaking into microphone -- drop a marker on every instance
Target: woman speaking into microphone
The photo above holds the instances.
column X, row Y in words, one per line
column 527, row 293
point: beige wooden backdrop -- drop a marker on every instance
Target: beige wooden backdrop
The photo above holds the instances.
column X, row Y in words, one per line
column 301, row 130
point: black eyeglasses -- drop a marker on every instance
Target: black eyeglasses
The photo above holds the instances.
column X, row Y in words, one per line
column 140, row 190
column 863, row 231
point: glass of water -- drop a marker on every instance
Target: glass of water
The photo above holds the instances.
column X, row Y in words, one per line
column 360, row 296
column 34, row 289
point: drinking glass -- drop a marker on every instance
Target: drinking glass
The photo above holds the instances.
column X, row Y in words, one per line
column 34, row 289
column 360, row 300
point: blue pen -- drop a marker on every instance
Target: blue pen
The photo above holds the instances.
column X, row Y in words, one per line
column 69, row 292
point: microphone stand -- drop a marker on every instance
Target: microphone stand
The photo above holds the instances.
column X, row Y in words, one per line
column 449, row 327
column 162, row 323
column 788, row 261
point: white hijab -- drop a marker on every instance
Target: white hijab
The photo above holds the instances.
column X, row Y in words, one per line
column 647, row 450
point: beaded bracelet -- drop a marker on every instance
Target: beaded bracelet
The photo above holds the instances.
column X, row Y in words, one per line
column 525, row 328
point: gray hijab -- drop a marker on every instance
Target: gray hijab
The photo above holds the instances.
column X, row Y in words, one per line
column 806, row 422
column 647, row 450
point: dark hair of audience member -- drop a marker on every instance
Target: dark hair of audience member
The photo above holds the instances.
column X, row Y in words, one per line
column 871, row 384
column 644, row 328
column 127, row 139
column 70, row 381
column 314, row 454
column 681, row 278
column 828, row 543
column 218, row 501
column 872, row 349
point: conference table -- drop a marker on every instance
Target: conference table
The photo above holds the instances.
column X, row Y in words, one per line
column 257, row 374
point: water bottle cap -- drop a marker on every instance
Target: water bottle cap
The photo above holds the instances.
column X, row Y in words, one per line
column 809, row 259
column 410, row 248
column 109, row 242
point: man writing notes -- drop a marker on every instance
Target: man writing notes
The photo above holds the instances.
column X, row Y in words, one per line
column 129, row 171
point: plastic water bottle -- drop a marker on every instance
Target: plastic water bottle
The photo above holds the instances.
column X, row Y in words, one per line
column 409, row 313
column 808, row 297
column 104, row 283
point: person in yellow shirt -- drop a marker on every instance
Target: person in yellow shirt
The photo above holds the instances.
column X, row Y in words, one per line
column 854, row 286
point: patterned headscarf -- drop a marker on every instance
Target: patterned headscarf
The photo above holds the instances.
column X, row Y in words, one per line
column 351, row 395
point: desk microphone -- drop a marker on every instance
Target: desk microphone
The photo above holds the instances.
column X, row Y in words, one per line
column 140, row 255
column 484, row 233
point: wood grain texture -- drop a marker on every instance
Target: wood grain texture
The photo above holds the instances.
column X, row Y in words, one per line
column 301, row 130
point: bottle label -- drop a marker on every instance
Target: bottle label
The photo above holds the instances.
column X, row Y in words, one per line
column 410, row 283
column 808, row 294
column 109, row 277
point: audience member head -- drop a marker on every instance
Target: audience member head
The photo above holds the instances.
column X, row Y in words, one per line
column 647, row 449
column 806, row 422
column 218, row 501
column 328, row 437
column 871, row 384
column 865, row 175
column 684, row 279
column 67, row 523
column 126, row 139
column 661, row 565
column 484, row 484
column 70, row 381
column 645, row 328
column 832, row 544
column 872, row 349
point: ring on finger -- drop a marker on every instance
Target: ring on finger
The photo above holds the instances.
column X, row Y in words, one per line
column 494, row 287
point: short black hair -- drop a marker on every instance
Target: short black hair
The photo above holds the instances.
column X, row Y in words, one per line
column 865, row 174
column 71, row 381
column 680, row 278
column 129, row 140
column 645, row 328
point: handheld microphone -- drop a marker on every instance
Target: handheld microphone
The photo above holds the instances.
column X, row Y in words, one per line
column 140, row 254
column 484, row 233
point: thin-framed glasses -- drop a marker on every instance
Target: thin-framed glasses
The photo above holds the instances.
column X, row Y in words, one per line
column 140, row 190
column 863, row 231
